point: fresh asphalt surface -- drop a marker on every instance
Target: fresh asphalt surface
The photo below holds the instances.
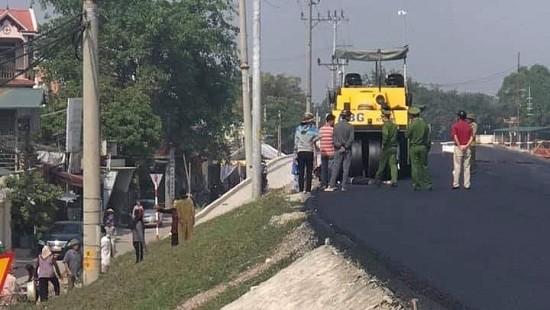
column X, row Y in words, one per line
column 487, row 247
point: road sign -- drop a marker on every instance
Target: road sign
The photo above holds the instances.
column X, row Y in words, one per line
column 156, row 178
column 5, row 262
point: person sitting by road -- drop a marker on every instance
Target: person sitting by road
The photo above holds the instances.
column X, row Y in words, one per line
column 73, row 263
column 9, row 289
column 47, row 272
column 175, row 221
column 305, row 136
column 343, row 136
column 106, row 248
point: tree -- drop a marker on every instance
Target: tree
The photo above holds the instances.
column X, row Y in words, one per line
column 177, row 56
column 538, row 79
column 282, row 94
column 33, row 201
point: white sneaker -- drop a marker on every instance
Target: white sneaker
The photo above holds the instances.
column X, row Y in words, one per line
column 329, row 189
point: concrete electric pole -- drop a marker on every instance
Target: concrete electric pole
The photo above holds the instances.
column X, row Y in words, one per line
column 91, row 207
column 310, row 19
column 335, row 65
column 256, row 102
column 245, row 88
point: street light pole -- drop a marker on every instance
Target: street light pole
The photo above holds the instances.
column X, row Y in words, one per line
column 256, row 102
column 247, row 116
column 91, row 197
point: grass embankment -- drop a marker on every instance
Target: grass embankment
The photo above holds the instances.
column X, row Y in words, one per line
column 219, row 251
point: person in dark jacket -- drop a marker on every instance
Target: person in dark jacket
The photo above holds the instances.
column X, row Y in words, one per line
column 138, row 234
column 175, row 220
column 342, row 136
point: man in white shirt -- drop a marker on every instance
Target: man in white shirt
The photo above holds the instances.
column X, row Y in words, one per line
column 105, row 243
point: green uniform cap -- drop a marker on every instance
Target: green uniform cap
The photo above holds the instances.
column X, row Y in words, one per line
column 386, row 112
column 414, row 110
column 471, row 116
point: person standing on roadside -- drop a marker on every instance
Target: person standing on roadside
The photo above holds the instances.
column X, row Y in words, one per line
column 327, row 149
column 186, row 215
column 388, row 156
column 73, row 263
column 138, row 235
column 472, row 121
column 304, row 145
column 175, row 222
column 418, row 133
column 47, row 272
column 463, row 136
column 343, row 136
column 137, row 206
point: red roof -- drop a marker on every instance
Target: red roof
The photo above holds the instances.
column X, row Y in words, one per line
column 25, row 17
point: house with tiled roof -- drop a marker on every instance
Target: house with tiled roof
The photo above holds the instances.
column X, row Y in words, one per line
column 20, row 99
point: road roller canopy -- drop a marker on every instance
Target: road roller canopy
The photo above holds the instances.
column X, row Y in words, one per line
column 373, row 55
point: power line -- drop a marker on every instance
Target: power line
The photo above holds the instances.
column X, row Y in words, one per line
column 477, row 80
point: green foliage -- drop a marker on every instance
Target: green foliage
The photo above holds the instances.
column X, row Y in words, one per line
column 441, row 108
column 218, row 252
column 538, row 78
column 177, row 56
column 33, row 201
column 282, row 94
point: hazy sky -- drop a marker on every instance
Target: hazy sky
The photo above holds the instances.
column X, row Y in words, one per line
column 451, row 41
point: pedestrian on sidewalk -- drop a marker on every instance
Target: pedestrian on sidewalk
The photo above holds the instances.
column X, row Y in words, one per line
column 106, row 248
column 137, row 206
column 47, row 272
column 473, row 124
column 304, row 146
column 418, row 133
column 463, row 136
column 138, row 234
column 388, row 156
column 73, row 263
column 175, row 221
column 342, row 136
column 185, row 207
column 327, row 149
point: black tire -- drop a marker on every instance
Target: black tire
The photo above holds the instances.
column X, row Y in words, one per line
column 403, row 157
column 374, row 149
column 357, row 163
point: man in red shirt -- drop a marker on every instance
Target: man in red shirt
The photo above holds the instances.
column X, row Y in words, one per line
column 463, row 136
column 327, row 149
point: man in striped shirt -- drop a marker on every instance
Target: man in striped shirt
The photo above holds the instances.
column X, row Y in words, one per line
column 327, row 149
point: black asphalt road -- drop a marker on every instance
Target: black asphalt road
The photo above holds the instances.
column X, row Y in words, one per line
column 487, row 247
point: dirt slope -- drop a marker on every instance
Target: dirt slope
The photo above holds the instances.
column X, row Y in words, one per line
column 321, row 279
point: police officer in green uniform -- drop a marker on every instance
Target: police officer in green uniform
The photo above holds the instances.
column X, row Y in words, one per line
column 429, row 142
column 388, row 156
column 418, row 133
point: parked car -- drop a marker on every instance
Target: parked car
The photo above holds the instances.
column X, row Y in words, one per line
column 149, row 214
column 59, row 235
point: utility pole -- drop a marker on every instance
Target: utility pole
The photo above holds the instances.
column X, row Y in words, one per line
column 335, row 65
column 256, row 102
column 279, row 133
column 91, row 197
column 170, row 179
column 310, row 26
column 518, row 103
column 245, row 88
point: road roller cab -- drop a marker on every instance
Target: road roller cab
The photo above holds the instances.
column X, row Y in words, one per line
column 366, row 101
